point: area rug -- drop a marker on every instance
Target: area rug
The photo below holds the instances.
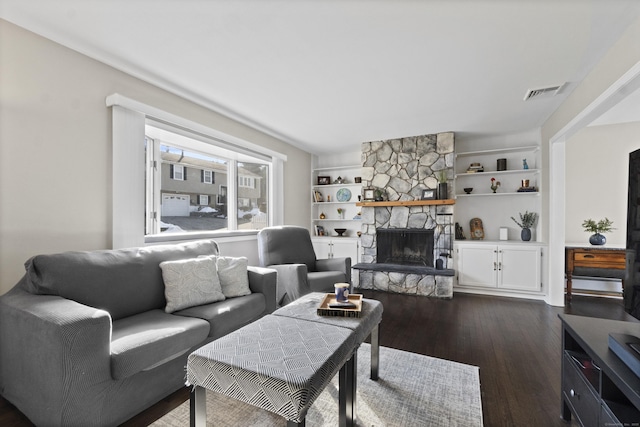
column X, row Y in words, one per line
column 413, row 390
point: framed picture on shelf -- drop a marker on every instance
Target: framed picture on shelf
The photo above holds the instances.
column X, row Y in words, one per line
column 319, row 230
column 324, row 180
column 317, row 196
column 429, row 194
column 369, row 194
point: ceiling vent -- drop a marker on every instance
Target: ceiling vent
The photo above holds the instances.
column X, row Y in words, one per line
column 545, row 92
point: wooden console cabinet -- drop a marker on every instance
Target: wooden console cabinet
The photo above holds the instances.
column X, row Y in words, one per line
column 598, row 388
column 597, row 262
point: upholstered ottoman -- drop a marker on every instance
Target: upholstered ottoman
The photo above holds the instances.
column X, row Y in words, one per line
column 277, row 363
column 363, row 326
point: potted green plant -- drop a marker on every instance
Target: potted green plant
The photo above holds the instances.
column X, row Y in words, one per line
column 603, row 226
column 527, row 220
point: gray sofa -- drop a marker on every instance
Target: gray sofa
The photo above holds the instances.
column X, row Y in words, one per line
column 85, row 339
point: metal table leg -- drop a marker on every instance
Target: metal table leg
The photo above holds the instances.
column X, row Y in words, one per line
column 375, row 352
column 198, row 407
column 347, row 391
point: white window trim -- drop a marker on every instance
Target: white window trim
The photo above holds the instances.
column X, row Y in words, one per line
column 209, row 179
column 205, row 197
column 181, row 173
column 128, row 131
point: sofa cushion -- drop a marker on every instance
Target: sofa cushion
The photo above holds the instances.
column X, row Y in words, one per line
column 233, row 275
column 144, row 341
column 189, row 282
column 122, row 281
column 228, row 315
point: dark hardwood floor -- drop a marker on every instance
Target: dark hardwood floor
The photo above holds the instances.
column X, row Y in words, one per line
column 515, row 342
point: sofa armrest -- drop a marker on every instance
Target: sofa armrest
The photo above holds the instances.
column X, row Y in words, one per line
column 52, row 350
column 292, row 282
column 336, row 264
column 263, row 280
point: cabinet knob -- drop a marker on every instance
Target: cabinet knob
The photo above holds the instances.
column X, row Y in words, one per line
column 574, row 394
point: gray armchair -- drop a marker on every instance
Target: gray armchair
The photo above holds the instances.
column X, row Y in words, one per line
column 288, row 250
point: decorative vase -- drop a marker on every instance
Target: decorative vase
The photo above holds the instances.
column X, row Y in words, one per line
column 597, row 239
column 442, row 191
column 525, row 234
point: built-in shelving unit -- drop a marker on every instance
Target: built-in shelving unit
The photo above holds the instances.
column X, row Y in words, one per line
column 334, row 196
column 511, row 197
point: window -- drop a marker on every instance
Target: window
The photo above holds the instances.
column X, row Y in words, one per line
column 131, row 121
column 207, row 177
column 180, row 173
column 177, row 172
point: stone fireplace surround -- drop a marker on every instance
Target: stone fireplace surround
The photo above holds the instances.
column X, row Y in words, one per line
column 403, row 168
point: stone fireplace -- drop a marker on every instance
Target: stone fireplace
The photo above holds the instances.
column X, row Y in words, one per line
column 407, row 245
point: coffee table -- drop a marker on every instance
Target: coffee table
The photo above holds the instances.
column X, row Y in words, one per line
column 283, row 361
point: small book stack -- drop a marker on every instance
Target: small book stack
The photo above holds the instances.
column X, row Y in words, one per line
column 475, row 167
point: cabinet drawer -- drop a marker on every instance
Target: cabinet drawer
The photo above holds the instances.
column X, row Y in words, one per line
column 599, row 259
column 579, row 394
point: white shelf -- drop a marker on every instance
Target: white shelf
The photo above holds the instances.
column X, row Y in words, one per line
column 518, row 193
column 348, row 184
column 350, row 202
column 335, row 168
column 532, row 148
column 496, row 173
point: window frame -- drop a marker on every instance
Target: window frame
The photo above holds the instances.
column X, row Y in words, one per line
column 129, row 118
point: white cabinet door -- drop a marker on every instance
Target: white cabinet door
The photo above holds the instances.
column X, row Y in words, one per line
column 477, row 265
column 519, row 267
column 322, row 248
column 345, row 249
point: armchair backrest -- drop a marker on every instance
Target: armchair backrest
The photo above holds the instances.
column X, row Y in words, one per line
column 287, row 244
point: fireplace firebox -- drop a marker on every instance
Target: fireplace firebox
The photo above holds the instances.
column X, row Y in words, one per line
column 405, row 246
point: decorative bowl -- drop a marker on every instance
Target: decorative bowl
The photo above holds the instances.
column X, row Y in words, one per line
column 468, row 190
column 340, row 231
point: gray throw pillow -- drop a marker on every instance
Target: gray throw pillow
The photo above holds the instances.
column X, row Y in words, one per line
column 233, row 275
column 190, row 282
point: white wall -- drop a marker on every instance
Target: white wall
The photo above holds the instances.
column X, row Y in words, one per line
column 597, row 176
column 621, row 58
column 55, row 149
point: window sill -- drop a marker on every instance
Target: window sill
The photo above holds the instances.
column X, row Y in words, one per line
column 185, row 237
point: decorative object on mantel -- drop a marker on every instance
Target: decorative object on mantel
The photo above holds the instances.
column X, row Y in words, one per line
column 459, row 232
column 442, row 185
column 477, row 229
column 368, row 193
column 527, row 220
column 428, row 194
column 602, row 226
column 379, row 195
column 468, row 190
column 494, row 184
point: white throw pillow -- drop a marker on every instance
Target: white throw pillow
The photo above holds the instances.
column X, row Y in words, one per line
column 234, row 278
column 190, row 282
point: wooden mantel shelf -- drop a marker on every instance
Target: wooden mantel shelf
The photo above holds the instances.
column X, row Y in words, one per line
column 407, row 203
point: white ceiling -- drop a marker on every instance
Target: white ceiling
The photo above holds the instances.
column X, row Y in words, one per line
column 328, row 75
